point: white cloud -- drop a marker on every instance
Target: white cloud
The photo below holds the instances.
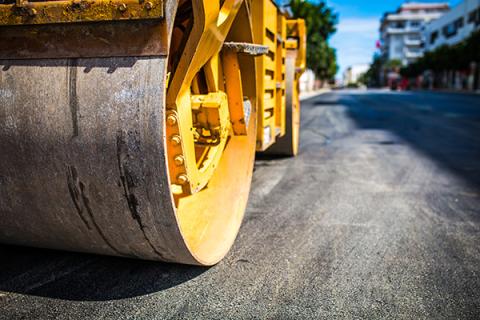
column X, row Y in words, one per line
column 358, row 25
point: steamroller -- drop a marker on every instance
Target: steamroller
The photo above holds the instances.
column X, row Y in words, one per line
column 130, row 127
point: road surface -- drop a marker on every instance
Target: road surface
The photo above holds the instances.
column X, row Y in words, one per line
column 378, row 217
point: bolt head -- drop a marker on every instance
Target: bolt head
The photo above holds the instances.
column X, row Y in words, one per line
column 122, row 7
column 176, row 140
column 179, row 160
column 182, row 179
column 172, row 120
column 32, row 12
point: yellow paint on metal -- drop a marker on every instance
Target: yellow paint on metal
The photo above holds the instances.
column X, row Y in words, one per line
column 280, row 108
column 233, row 82
column 296, row 30
column 48, row 12
column 264, row 18
column 209, row 220
column 210, row 135
column 296, row 47
column 280, row 34
column 291, row 44
column 210, row 28
column 211, row 203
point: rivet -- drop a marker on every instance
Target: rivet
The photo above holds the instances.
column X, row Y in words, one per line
column 176, row 140
column 32, row 12
column 148, row 5
column 179, row 160
column 172, row 120
column 122, row 7
column 196, row 135
column 182, row 179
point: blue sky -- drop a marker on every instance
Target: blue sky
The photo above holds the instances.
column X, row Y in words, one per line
column 358, row 28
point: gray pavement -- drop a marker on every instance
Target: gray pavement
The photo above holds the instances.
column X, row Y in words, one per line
column 378, row 217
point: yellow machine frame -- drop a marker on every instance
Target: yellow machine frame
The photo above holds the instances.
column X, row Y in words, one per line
column 271, row 27
column 274, row 29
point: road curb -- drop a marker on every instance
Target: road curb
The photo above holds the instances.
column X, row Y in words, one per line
column 308, row 95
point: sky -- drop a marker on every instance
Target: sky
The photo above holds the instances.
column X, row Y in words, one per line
column 358, row 26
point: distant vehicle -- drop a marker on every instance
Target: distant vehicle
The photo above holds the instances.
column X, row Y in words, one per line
column 393, row 80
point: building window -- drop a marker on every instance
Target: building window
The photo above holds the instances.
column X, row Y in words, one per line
column 474, row 16
column 433, row 37
column 458, row 23
column 449, row 30
column 415, row 24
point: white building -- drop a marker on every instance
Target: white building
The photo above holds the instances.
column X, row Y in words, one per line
column 454, row 26
column 307, row 81
column 352, row 74
column 401, row 31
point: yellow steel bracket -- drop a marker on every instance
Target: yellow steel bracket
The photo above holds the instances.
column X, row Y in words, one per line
column 233, row 84
column 212, row 129
column 291, row 44
column 212, row 22
column 23, row 12
column 297, row 35
column 211, row 118
column 233, row 81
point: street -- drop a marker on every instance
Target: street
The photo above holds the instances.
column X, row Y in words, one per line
column 378, row 217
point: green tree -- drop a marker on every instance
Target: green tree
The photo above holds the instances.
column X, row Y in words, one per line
column 393, row 64
column 372, row 76
column 363, row 79
column 321, row 23
column 444, row 58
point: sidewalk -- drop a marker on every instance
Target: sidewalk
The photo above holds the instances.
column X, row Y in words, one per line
column 477, row 92
column 311, row 94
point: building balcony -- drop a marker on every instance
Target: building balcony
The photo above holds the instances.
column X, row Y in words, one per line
column 413, row 54
column 413, row 43
column 392, row 30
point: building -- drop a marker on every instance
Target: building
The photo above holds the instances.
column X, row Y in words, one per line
column 401, row 31
column 454, row 26
column 352, row 74
column 307, row 81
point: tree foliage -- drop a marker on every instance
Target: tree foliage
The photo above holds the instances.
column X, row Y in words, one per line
column 372, row 76
column 321, row 23
column 393, row 64
column 457, row 57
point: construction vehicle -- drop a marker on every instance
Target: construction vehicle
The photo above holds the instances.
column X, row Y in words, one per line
column 130, row 127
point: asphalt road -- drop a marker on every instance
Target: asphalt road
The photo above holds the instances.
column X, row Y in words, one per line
column 378, row 217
